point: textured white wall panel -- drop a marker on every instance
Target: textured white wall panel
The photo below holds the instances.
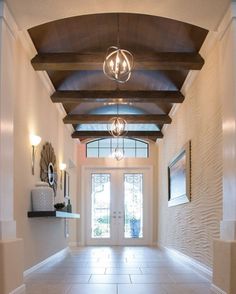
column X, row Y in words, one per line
column 190, row 228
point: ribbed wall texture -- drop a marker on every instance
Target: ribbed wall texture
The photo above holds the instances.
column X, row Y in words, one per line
column 190, row 228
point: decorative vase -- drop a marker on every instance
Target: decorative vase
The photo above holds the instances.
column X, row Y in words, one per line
column 42, row 197
column 69, row 207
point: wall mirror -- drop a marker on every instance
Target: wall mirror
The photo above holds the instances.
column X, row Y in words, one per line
column 51, row 176
column 179, row 177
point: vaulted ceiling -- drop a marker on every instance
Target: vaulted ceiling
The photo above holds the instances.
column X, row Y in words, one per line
column 72, row 51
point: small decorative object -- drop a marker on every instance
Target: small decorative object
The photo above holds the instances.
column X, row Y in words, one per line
column 66, row 184
column 42, row 197
column 134, row 228
column 69, row 207
column 48, row 168
column 179, row 177
column 60, row 206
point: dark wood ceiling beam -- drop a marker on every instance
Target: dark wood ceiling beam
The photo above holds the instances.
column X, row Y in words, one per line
column 117, row 96
column 94, row 61
column 149, row 135
column 131, row 119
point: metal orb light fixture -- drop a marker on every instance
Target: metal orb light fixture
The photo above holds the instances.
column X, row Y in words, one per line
column 118, row 154
column 118, row 62
column 117, row 126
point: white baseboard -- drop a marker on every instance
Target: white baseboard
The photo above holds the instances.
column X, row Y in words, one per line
column 200, row 268
column 54, row 257
column 217, row 290
column 19, row 290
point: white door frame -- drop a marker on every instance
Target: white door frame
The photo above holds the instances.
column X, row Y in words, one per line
column 84, row 186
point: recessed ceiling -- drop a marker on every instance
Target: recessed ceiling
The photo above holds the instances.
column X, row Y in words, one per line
column 72, row 51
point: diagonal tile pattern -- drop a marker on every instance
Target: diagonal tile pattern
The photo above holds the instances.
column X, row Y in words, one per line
column 116, row 270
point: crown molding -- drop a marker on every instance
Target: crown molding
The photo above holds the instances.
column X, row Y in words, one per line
column 9, row 20
column 227, row 19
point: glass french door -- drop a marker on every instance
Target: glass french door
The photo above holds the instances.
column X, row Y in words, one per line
column 118, row 207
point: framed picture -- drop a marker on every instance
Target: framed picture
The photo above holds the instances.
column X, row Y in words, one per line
column 179, row 177
column 66, row 184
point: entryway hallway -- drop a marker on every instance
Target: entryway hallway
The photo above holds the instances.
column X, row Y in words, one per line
column 116, row 270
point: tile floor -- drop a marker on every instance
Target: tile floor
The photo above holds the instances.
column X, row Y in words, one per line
column 116, row 270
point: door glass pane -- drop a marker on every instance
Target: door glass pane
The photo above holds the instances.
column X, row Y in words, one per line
column 100, row 206
column 133, row 190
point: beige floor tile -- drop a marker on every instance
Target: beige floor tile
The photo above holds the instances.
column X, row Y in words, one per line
column 188, row 278
column 93, row 289
column 86, row 271
column 116, row 270
column 187, row 288
column 151, row 279
column 110, row 279
column 79, row 279
column 123, row 271
column 47, row 289
column 154, row 270
column 141, row 289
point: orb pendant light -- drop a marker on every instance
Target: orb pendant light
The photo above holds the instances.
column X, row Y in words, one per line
column 118, row 64
column 118, row 154
column 117, row 127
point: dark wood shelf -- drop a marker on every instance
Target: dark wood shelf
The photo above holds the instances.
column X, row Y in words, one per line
column 56, row 213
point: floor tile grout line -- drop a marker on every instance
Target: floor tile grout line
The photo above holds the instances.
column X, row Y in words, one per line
column 130, row 279
column 89, row 279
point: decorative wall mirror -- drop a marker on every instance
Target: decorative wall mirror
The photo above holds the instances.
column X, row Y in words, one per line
column 48, row 168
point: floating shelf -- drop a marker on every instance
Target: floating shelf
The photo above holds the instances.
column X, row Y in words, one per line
column 56, row 213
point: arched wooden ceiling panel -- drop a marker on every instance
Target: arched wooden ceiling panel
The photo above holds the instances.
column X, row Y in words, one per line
column 164, row 50
column 95, row 33
column 96, row 80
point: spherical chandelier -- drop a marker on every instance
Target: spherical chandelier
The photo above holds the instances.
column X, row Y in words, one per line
column 117, row 127
column 118, row 154
column 118, row 64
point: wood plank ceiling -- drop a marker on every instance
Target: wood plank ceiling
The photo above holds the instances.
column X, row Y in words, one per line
column 72, row 51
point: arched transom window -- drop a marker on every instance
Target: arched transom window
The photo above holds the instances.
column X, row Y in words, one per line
column 132, row 148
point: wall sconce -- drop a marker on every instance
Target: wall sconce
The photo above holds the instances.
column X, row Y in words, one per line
column 34, row 140
column 62, row 168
